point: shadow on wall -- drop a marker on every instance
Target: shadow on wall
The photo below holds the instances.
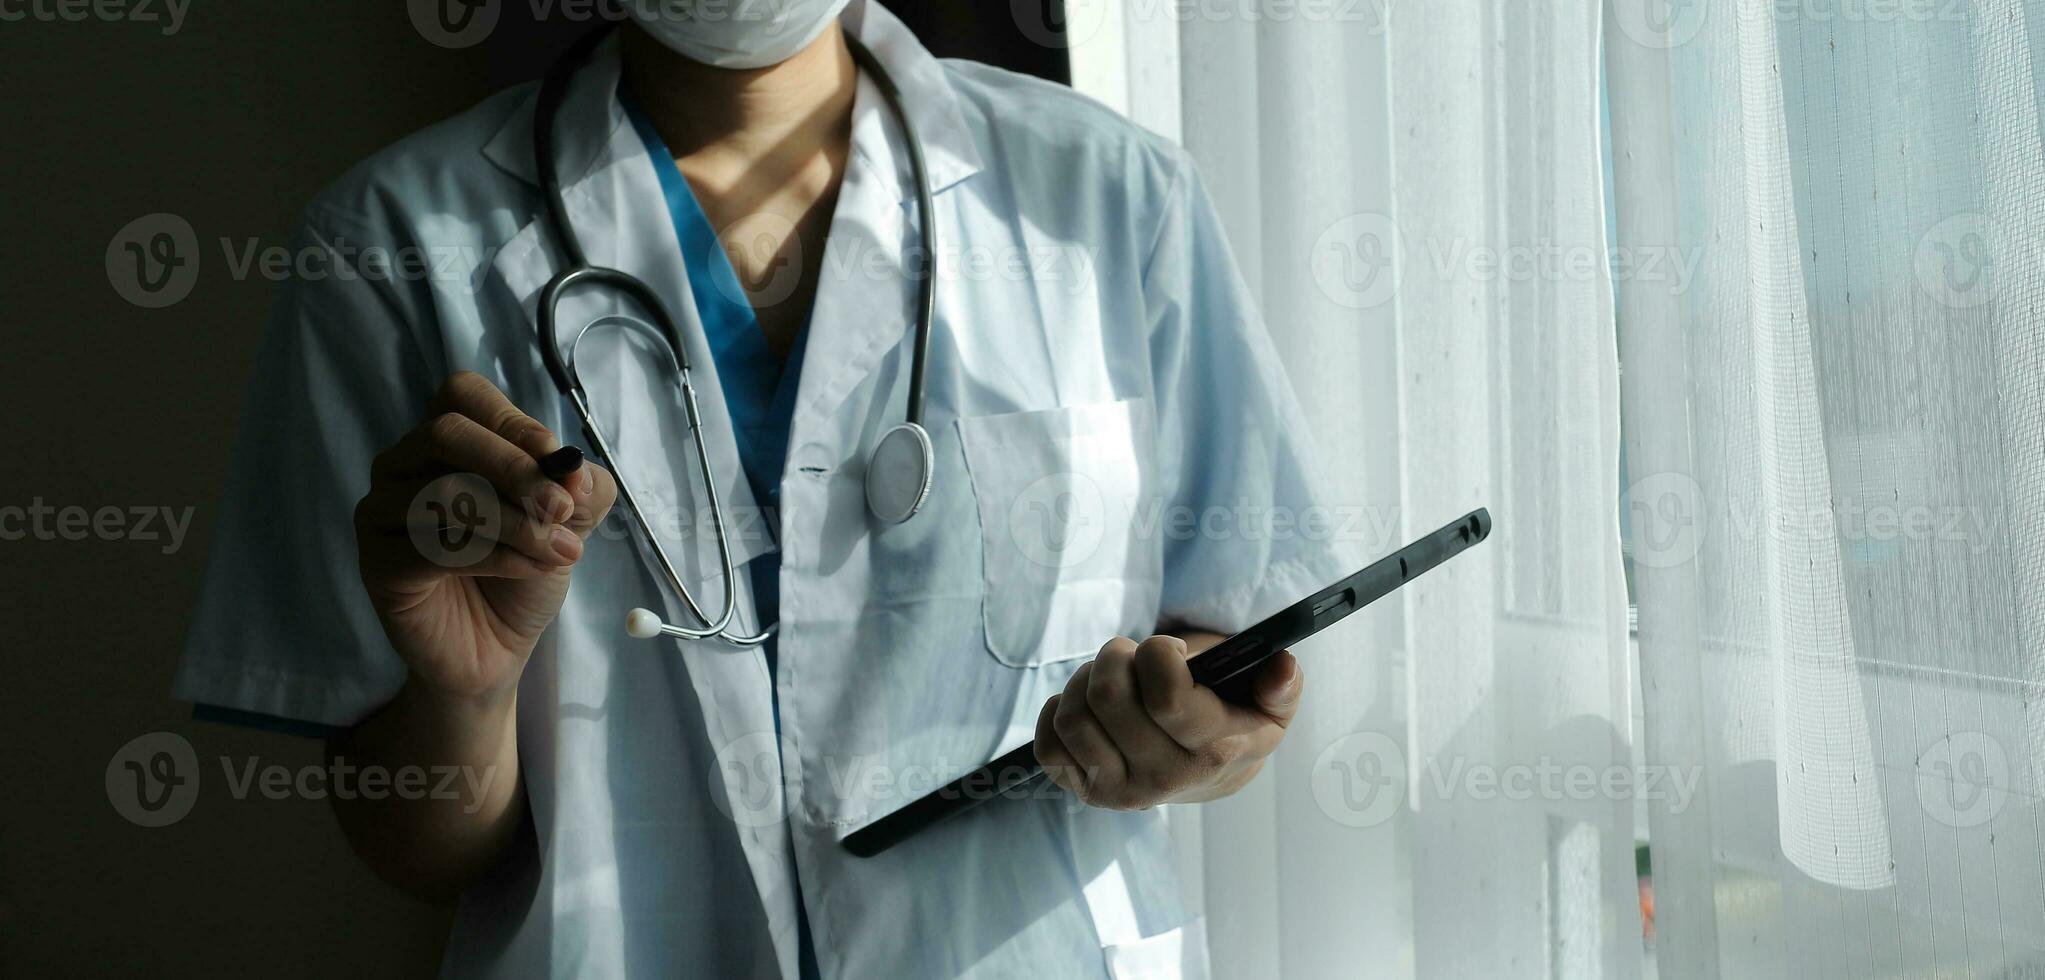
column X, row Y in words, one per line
column 227, row 119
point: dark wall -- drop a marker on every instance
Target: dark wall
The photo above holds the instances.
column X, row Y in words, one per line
column 227, row 121
column 1009, row 33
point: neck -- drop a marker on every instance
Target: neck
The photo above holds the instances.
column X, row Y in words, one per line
column 788, row 111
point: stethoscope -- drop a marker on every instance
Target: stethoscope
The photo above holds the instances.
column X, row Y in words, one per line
column 898, row 473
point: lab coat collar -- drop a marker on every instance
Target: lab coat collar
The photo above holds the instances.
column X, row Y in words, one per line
column 928, row 97
column 590, row 113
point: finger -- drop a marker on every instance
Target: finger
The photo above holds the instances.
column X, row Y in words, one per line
column 571, row 468
column 1260, row 729
column 594, row 498
column 471, row 394
column 453, row 442
column 1102, row 768
column 1192, row 715
column 1216, row 732
column 395, row 559
column 460, row 505
column 1054, row 756
column 593, row 486
column 1113, row 696
column 1278, row 685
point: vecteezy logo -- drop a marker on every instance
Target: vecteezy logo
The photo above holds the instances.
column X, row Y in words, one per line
column 153, row 260
column 1059, row 520
column 1356, row 260
column 455, row 520
column 746, row 782
column 1963, row 779
column 1667, row 525
column 1660, row 24
column 454, row 23
column 1059, row 25
column 154, row 779
column 1360, row 780
column 1955, row 261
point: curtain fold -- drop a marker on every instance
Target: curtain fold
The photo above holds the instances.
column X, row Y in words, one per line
column 1415, row 198
column 1833, row 436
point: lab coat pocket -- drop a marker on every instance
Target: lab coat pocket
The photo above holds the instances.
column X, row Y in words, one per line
column 1062, row 498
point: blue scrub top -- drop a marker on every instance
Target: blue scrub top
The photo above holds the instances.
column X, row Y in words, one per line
column 759, row 389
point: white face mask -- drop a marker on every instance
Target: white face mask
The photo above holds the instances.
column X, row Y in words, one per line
column 735, row 33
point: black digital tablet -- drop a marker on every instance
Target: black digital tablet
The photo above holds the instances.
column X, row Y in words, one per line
column 1225, row 668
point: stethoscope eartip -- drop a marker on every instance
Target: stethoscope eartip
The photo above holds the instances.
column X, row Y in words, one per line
column 642, row 624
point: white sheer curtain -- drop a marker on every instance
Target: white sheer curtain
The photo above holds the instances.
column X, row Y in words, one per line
column 1416, row 201
column 1836, row 442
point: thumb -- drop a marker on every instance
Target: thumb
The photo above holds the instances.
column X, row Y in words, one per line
column 1278, row 687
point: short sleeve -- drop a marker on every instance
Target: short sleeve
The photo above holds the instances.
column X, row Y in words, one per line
column 283, row 628
column 1248, row 526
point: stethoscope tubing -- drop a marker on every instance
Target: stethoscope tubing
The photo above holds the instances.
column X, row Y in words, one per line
column 578, row 271
column 926, row 212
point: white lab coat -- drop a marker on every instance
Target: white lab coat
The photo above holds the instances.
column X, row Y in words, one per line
column 1097, row 375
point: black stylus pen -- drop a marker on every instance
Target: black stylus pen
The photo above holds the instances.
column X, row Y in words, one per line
column 1225, row 668
column 561, row 462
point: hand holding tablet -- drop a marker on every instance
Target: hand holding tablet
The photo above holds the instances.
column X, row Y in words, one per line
column 1225, row 668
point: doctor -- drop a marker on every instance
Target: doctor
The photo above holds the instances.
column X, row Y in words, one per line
column 1108, row 424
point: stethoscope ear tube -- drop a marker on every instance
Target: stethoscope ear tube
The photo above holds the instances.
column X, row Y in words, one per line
column 566, row 378
column 903, row 465
column 900, row 494
column 926, row 216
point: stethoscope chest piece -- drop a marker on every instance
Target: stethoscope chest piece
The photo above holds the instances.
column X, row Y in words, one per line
column 898, row 473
